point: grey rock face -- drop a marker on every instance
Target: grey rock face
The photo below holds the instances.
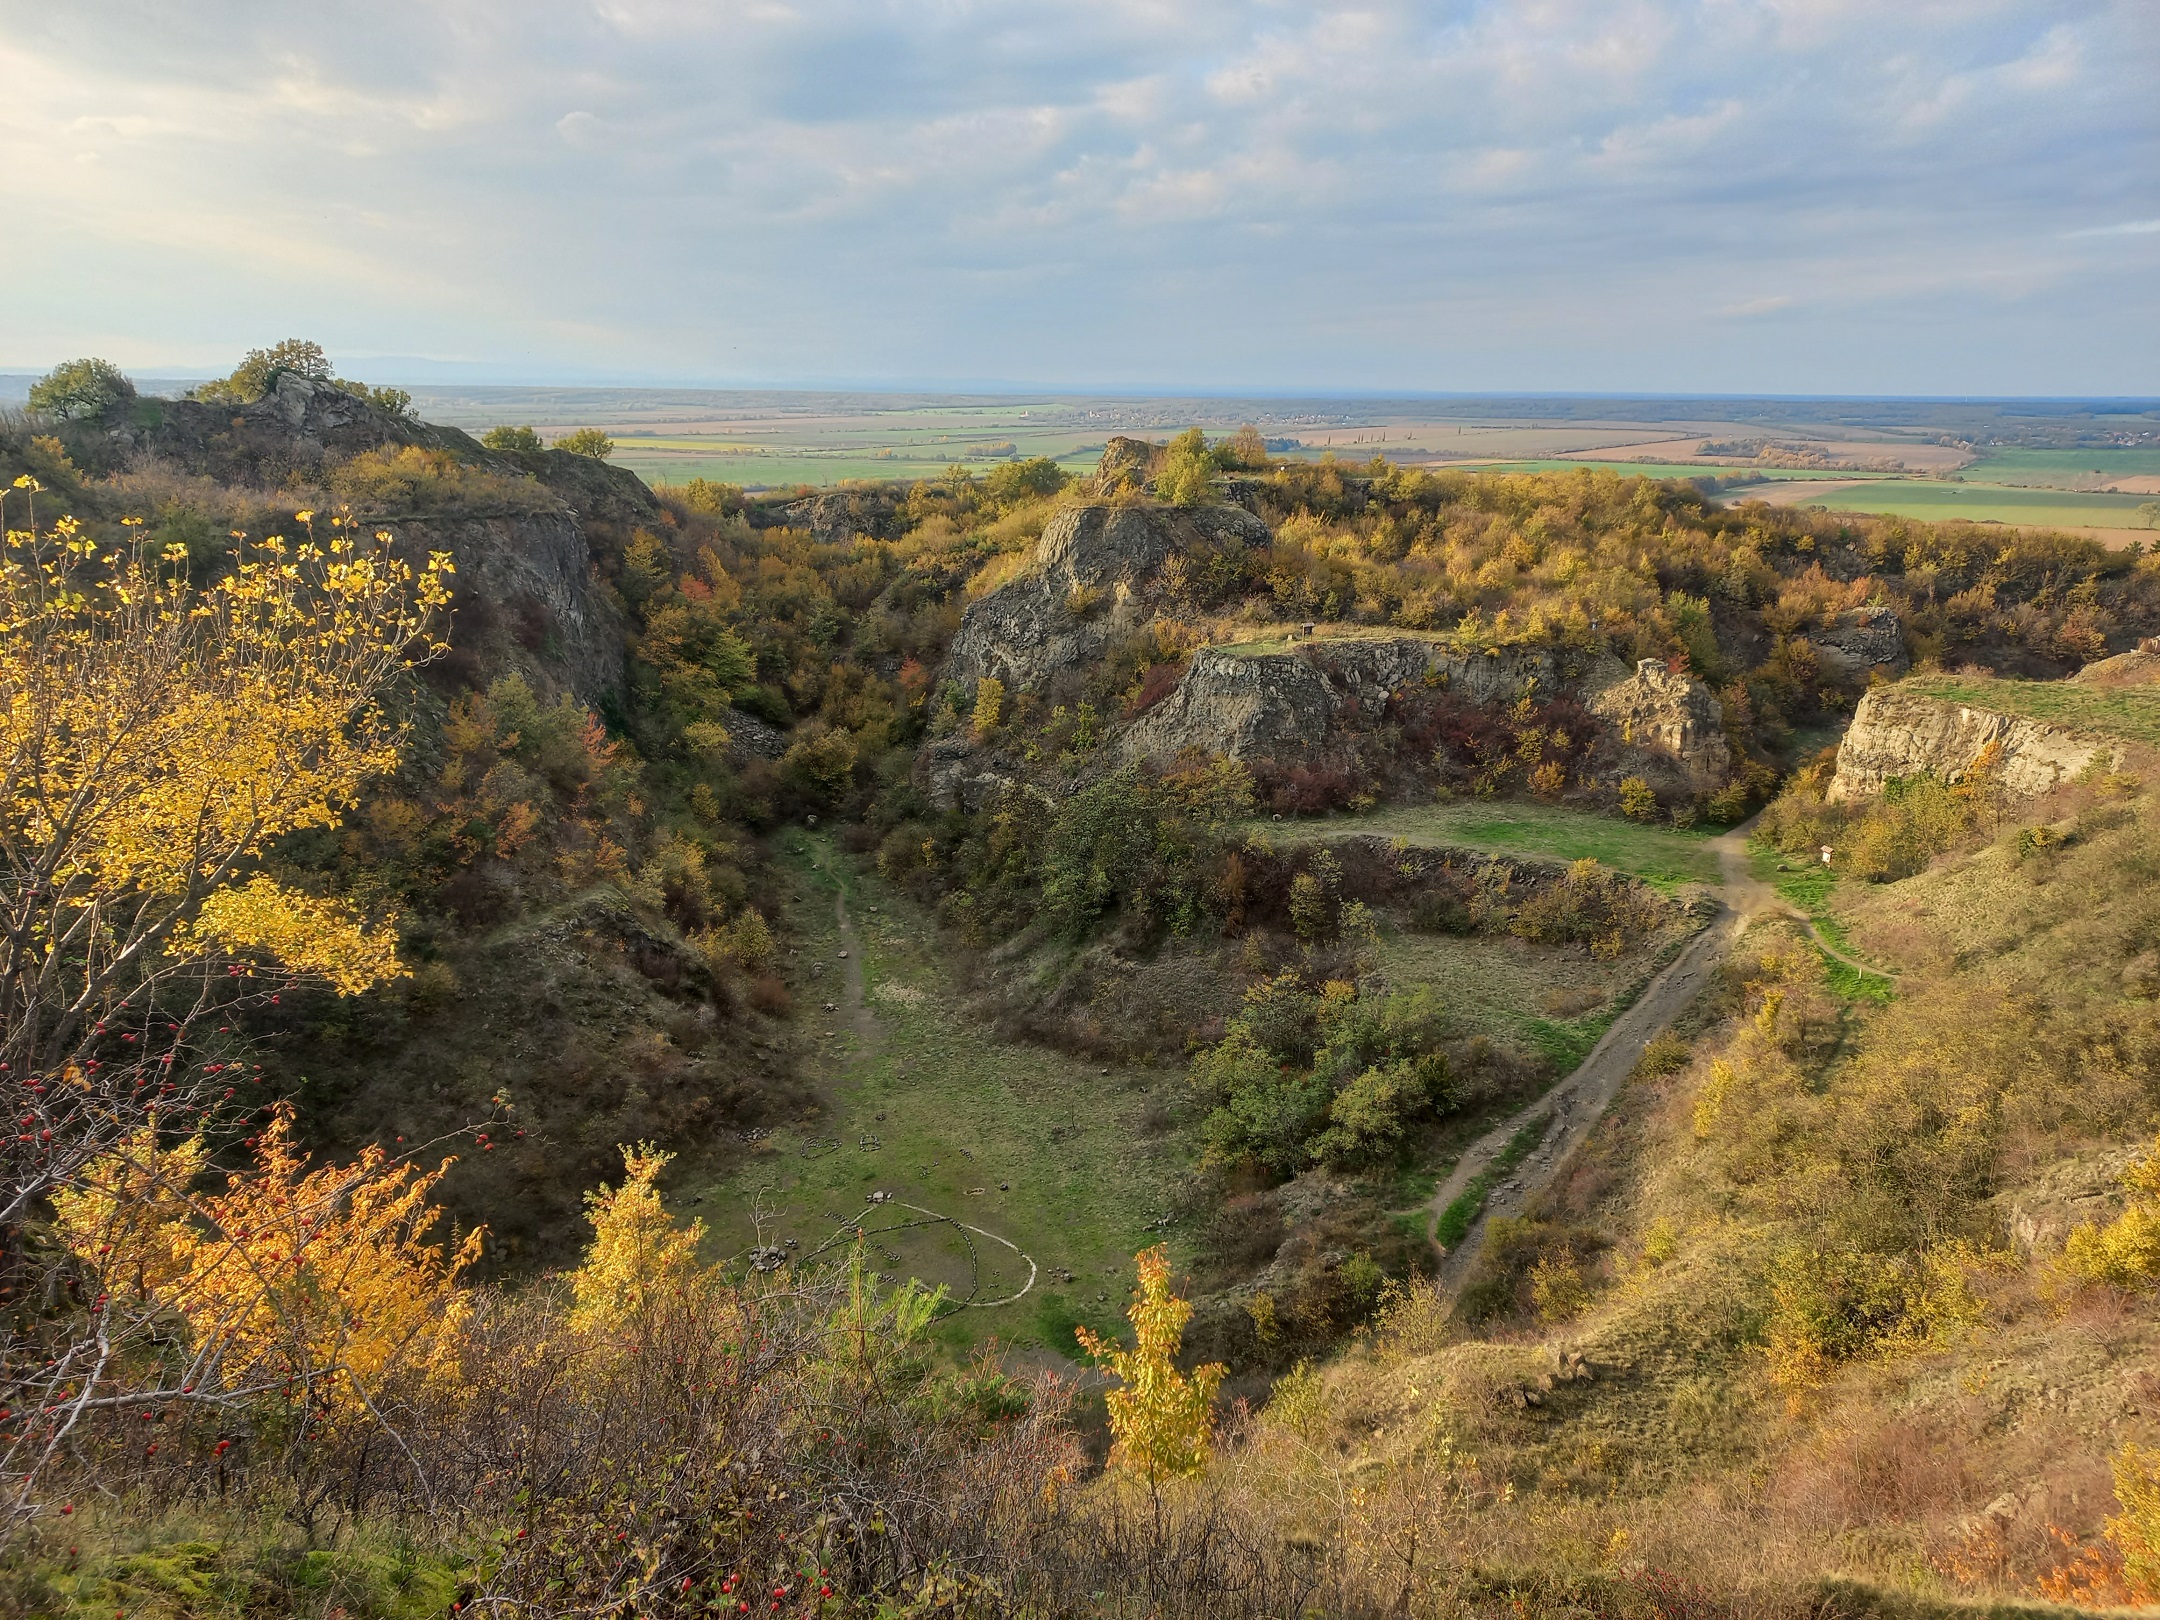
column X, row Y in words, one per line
column 1093, row 580
column 524, row 599
column 1857, row 643
column 1665, row 725
column 1289, row 706
column 1898, row 733
column 1279, row 708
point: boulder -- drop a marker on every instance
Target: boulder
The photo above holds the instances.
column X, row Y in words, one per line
column 1125, row 461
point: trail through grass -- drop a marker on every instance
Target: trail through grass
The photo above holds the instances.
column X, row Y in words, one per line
column 1464, row 1208
column 1808, row 889
column 1029, row 1144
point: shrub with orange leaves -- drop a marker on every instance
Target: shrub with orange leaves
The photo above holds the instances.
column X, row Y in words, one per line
column 2124, row 1569
column 322, row 1283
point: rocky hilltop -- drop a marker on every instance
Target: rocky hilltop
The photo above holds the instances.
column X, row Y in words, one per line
column 1098, row 578
column 522, row 527
column 1095, row 575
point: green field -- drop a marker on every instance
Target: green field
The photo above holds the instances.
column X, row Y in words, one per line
column 2132, row 713
column 1023, row 1143
column 1651, row 469
column 2063, row 469
column 1549, row 832
column 1986, row 503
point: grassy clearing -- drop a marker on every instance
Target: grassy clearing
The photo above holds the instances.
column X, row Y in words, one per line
column 1036, row 1147
column 1664, row 855
column 2128, row 712
column 1508, row 989
column 1464, row 1208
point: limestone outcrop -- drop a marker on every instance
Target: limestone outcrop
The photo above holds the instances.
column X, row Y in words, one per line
column 1287, row 706
column 1667, row 727
column 1095, row 577
column 1275, row 708
column 1897, row 732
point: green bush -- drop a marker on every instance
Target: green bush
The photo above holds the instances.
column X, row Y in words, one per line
column 511, row 438
column 81, row 389
column 587, row 441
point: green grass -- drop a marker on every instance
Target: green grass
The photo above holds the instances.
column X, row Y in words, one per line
column 1809, row 888
column 2063, row 469
column 1464, row 1208
column 2132, row 713
column 1549, row 832
column 1651, row 469
column 1937, row 502
column 943, row 1116
column 1567, row 1041
column 1503, row 988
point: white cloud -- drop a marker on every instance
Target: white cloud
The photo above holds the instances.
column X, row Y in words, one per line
column 918, row 188
column 2129, row 227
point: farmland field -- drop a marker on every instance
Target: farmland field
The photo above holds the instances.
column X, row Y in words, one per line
column 1652, row 469
column 1987, row 503
column 2066, row 469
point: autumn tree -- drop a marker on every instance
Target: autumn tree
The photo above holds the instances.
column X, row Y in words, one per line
column 637, row 1251
column 313, row 1298
column 157, row 738
column 1162, row 1420
column 511, row 438
column 1188, row 470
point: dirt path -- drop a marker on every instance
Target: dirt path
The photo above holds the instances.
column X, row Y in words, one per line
column 1577, row 1103
column 854, row 1007
column 1752, row 897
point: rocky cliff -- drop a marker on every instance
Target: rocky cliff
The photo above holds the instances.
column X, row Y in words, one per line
column 1292, row 707
column 1095, row 576
column 521, row 527
column 1666, row 727
column 1900, row 732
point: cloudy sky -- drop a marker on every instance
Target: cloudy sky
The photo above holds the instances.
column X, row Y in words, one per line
column 1827, row 196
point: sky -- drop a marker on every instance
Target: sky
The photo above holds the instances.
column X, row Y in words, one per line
column 1928, row 197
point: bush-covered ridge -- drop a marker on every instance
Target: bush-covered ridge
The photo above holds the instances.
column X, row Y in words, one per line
column 1835, row 1284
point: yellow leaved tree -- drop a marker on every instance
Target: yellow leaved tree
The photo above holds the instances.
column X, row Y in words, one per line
column 637, row 1253
column 156, row 737
column 159, row 733
column 1161, row 1419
